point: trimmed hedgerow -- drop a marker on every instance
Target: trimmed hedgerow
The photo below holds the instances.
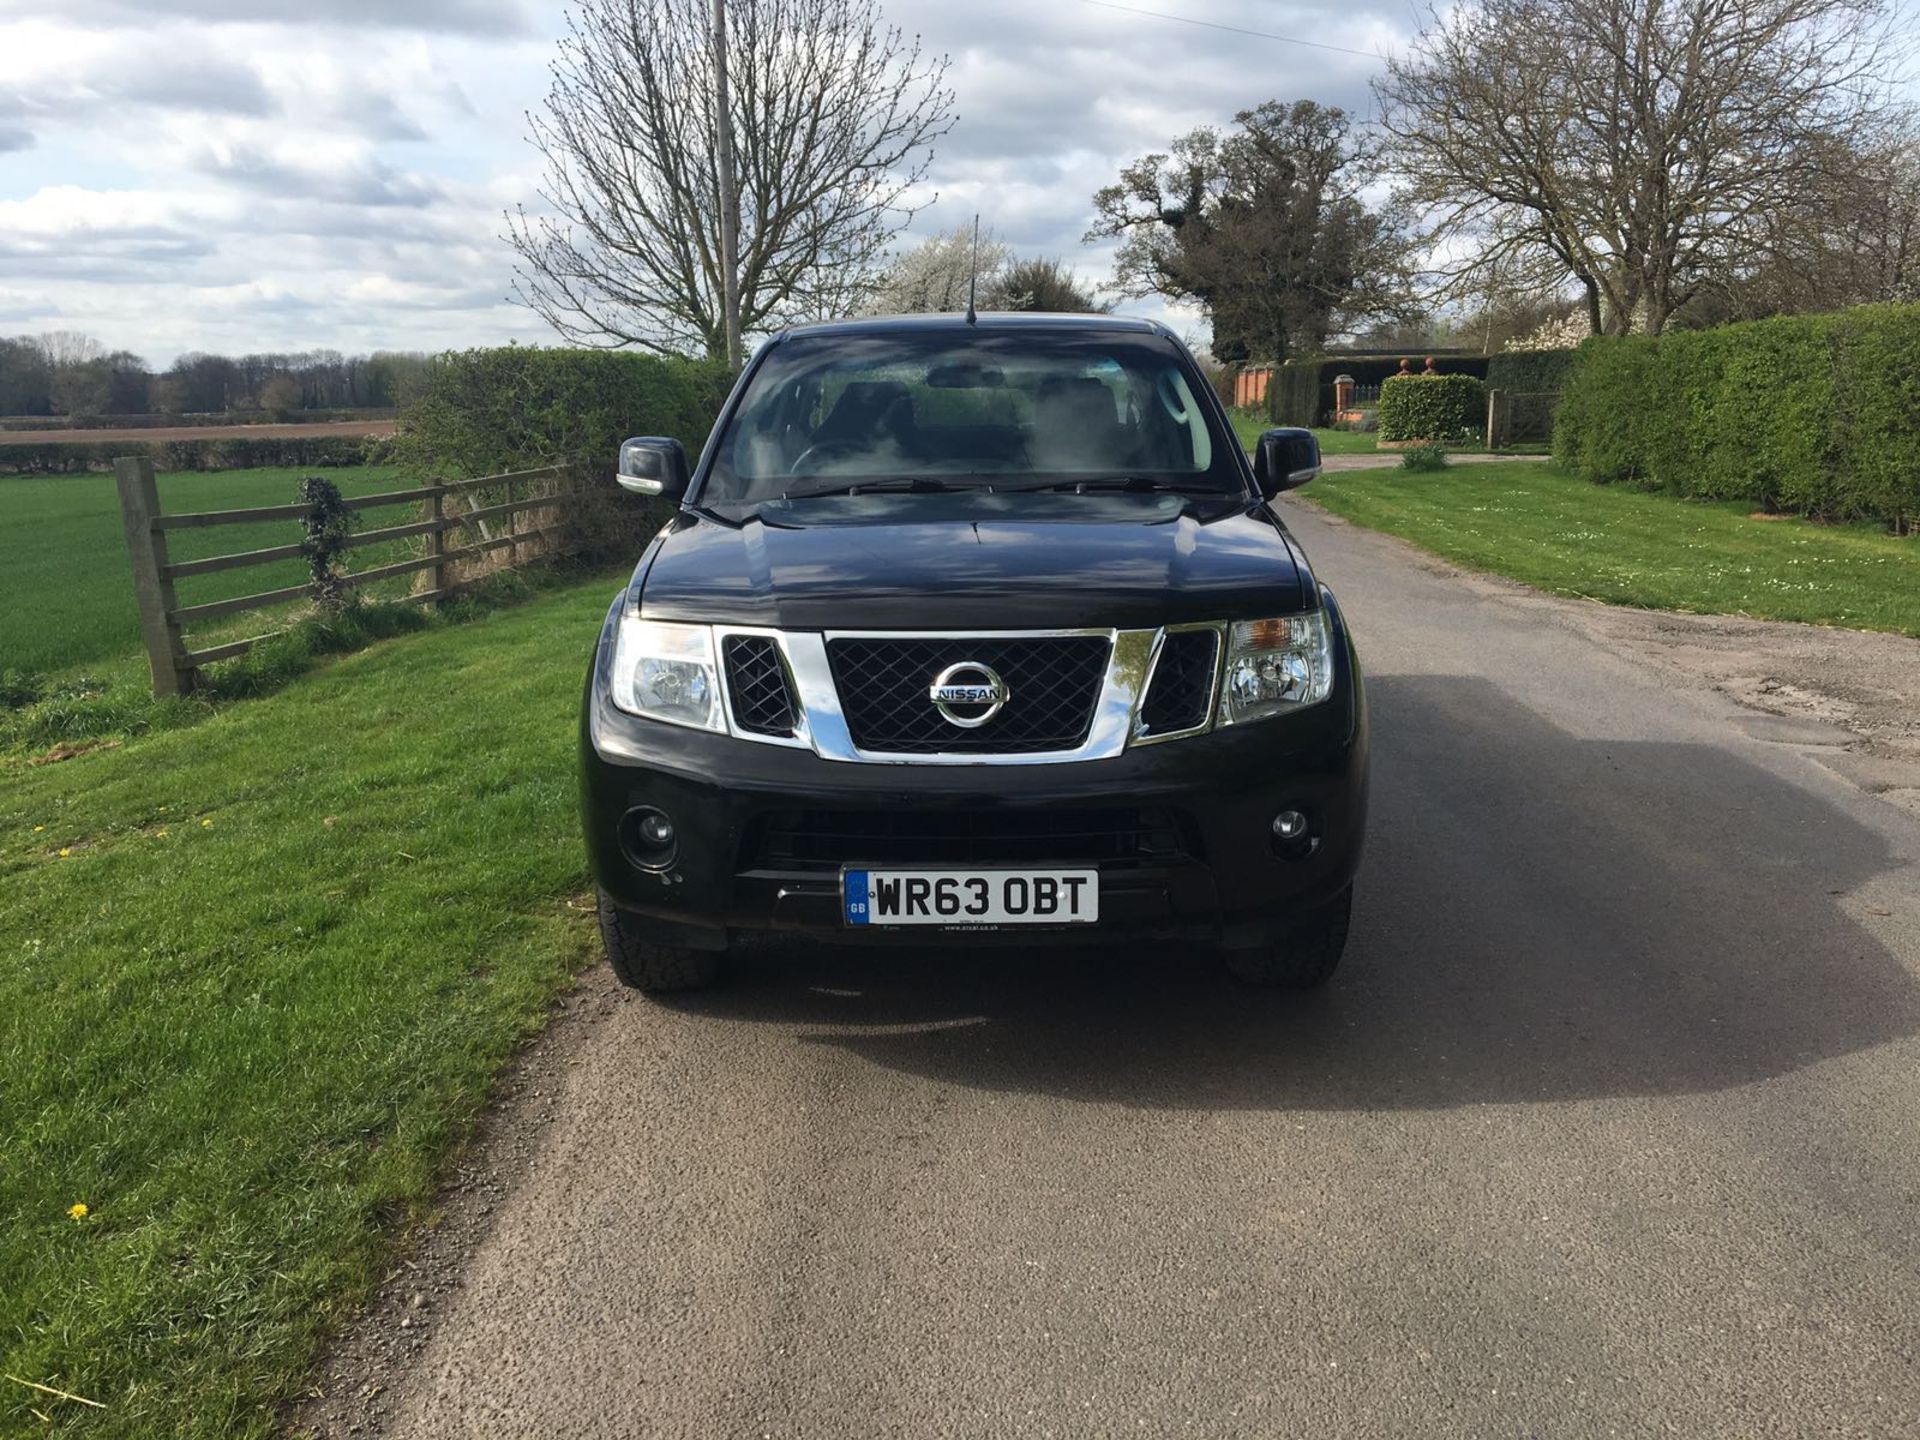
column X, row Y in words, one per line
column 1431, row 407
column 1529, row 372
column 1808, row 414
column 1293, row 394
column 516, row 407
column 77, row 457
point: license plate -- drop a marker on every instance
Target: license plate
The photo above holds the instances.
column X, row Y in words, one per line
column 965, row 898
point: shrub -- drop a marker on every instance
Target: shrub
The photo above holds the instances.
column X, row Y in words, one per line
column 1425, row 458
column 485, row 412
column 1293, row 394
column 1529, row 372
column 1432, row 407
column 80, row 456
column 1812, row 414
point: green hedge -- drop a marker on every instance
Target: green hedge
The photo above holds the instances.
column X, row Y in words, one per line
column 80, row 456
column 484, row 412
column 157, row 421
column 1432, row 407
column 1302, row 391
column 1529, row 372
column 1293, row 394
column 1810, row 414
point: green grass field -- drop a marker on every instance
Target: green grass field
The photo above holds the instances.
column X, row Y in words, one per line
column 1533, row 523
column 1247, row 425
column 66, row 596
column 256, row 976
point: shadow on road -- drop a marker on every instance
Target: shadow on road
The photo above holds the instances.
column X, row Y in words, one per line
column 1539, row 918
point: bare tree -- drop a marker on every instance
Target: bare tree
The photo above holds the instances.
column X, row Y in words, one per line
column 933, row 276
column 62, row 348
column 834, row 115
column 1267, row 227
column 1641, row 149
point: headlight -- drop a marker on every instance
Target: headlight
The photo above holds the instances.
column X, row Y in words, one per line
column 667, row 672
column 1275, row 666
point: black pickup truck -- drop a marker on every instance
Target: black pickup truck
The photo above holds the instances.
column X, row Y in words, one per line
column 972, row 632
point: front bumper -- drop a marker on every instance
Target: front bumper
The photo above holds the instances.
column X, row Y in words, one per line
column 1223, row 880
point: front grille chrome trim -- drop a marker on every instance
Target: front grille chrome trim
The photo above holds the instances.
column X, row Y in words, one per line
column 822, row 724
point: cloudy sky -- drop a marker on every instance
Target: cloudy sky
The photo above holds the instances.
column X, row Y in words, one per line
column 239, row 175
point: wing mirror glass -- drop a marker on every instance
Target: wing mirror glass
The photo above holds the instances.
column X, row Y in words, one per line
column 653, row 465
column 1285, row 459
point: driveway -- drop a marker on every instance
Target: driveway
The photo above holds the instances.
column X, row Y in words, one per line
column 1606, row 1127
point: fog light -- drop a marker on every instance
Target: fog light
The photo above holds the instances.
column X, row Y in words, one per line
column 648, row 837
column 1289, row 825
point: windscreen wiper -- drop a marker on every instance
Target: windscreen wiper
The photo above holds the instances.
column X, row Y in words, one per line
column 1137, row 484
column 917, row 485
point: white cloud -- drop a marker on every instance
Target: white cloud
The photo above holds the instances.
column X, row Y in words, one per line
column 281, row 174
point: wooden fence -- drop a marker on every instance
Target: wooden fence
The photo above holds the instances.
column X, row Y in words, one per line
column 1520, row 416
column 163, row 620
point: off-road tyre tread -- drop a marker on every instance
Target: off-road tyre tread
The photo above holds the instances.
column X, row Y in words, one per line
column 642, row 964
column 1306, row 957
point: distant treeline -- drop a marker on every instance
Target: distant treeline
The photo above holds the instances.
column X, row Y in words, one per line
column 65, row 374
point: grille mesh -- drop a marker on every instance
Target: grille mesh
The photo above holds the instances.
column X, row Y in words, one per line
column 1182, row 682
column 827, row 839
column 1052, row 683
column 757, row 681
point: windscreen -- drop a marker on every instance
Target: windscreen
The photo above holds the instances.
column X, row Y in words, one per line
column 1007, row 409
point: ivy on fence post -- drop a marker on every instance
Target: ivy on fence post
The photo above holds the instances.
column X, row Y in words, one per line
column 328, row 524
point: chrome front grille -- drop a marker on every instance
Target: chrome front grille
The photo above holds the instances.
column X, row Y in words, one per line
column 1051, row 686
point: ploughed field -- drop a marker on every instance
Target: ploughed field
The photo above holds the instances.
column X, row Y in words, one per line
column 349, row 429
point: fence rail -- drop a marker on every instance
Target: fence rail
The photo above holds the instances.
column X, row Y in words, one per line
column 163, row 618
column 1520, row 416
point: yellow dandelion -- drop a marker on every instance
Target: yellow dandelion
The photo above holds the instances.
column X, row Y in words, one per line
column 38, row 828
column 65, row 851
column 77, row 1212
column 206, row 824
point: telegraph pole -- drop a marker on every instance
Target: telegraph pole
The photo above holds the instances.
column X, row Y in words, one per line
column 729, row 191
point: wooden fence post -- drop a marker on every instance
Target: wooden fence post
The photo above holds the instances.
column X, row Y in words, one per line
column 437, row 541
column 152, row 589
column 1493, row 419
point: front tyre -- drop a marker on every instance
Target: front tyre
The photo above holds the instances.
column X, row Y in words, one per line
column 1305, row 956
column 645, row 964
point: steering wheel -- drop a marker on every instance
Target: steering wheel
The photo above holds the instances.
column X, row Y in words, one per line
column 825, row 450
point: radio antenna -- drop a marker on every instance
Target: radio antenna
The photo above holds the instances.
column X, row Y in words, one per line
column 973, row 270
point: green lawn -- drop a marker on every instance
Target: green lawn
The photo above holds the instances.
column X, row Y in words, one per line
column 66, row 596
column 1536, row 524
column 255, row 978
column 1247, row 424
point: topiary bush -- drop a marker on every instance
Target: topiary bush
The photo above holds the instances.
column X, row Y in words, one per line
column 1432, row 407
column 1809, row 414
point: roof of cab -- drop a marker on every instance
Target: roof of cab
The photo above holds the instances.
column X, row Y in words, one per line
column 987, row 320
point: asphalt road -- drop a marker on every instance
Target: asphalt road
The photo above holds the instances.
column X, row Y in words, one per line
column 1609, row 1125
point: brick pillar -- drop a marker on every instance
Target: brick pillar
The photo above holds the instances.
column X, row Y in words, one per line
column 1342, row 394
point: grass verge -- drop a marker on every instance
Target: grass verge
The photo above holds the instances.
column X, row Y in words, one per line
column 255, row 980
column 1537, row 524
column 38, row 712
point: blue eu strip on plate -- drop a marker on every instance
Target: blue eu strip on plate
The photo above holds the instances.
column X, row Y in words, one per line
column 853, row 892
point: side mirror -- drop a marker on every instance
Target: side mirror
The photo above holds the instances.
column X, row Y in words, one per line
column 653, row 465
column 1285, row 459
